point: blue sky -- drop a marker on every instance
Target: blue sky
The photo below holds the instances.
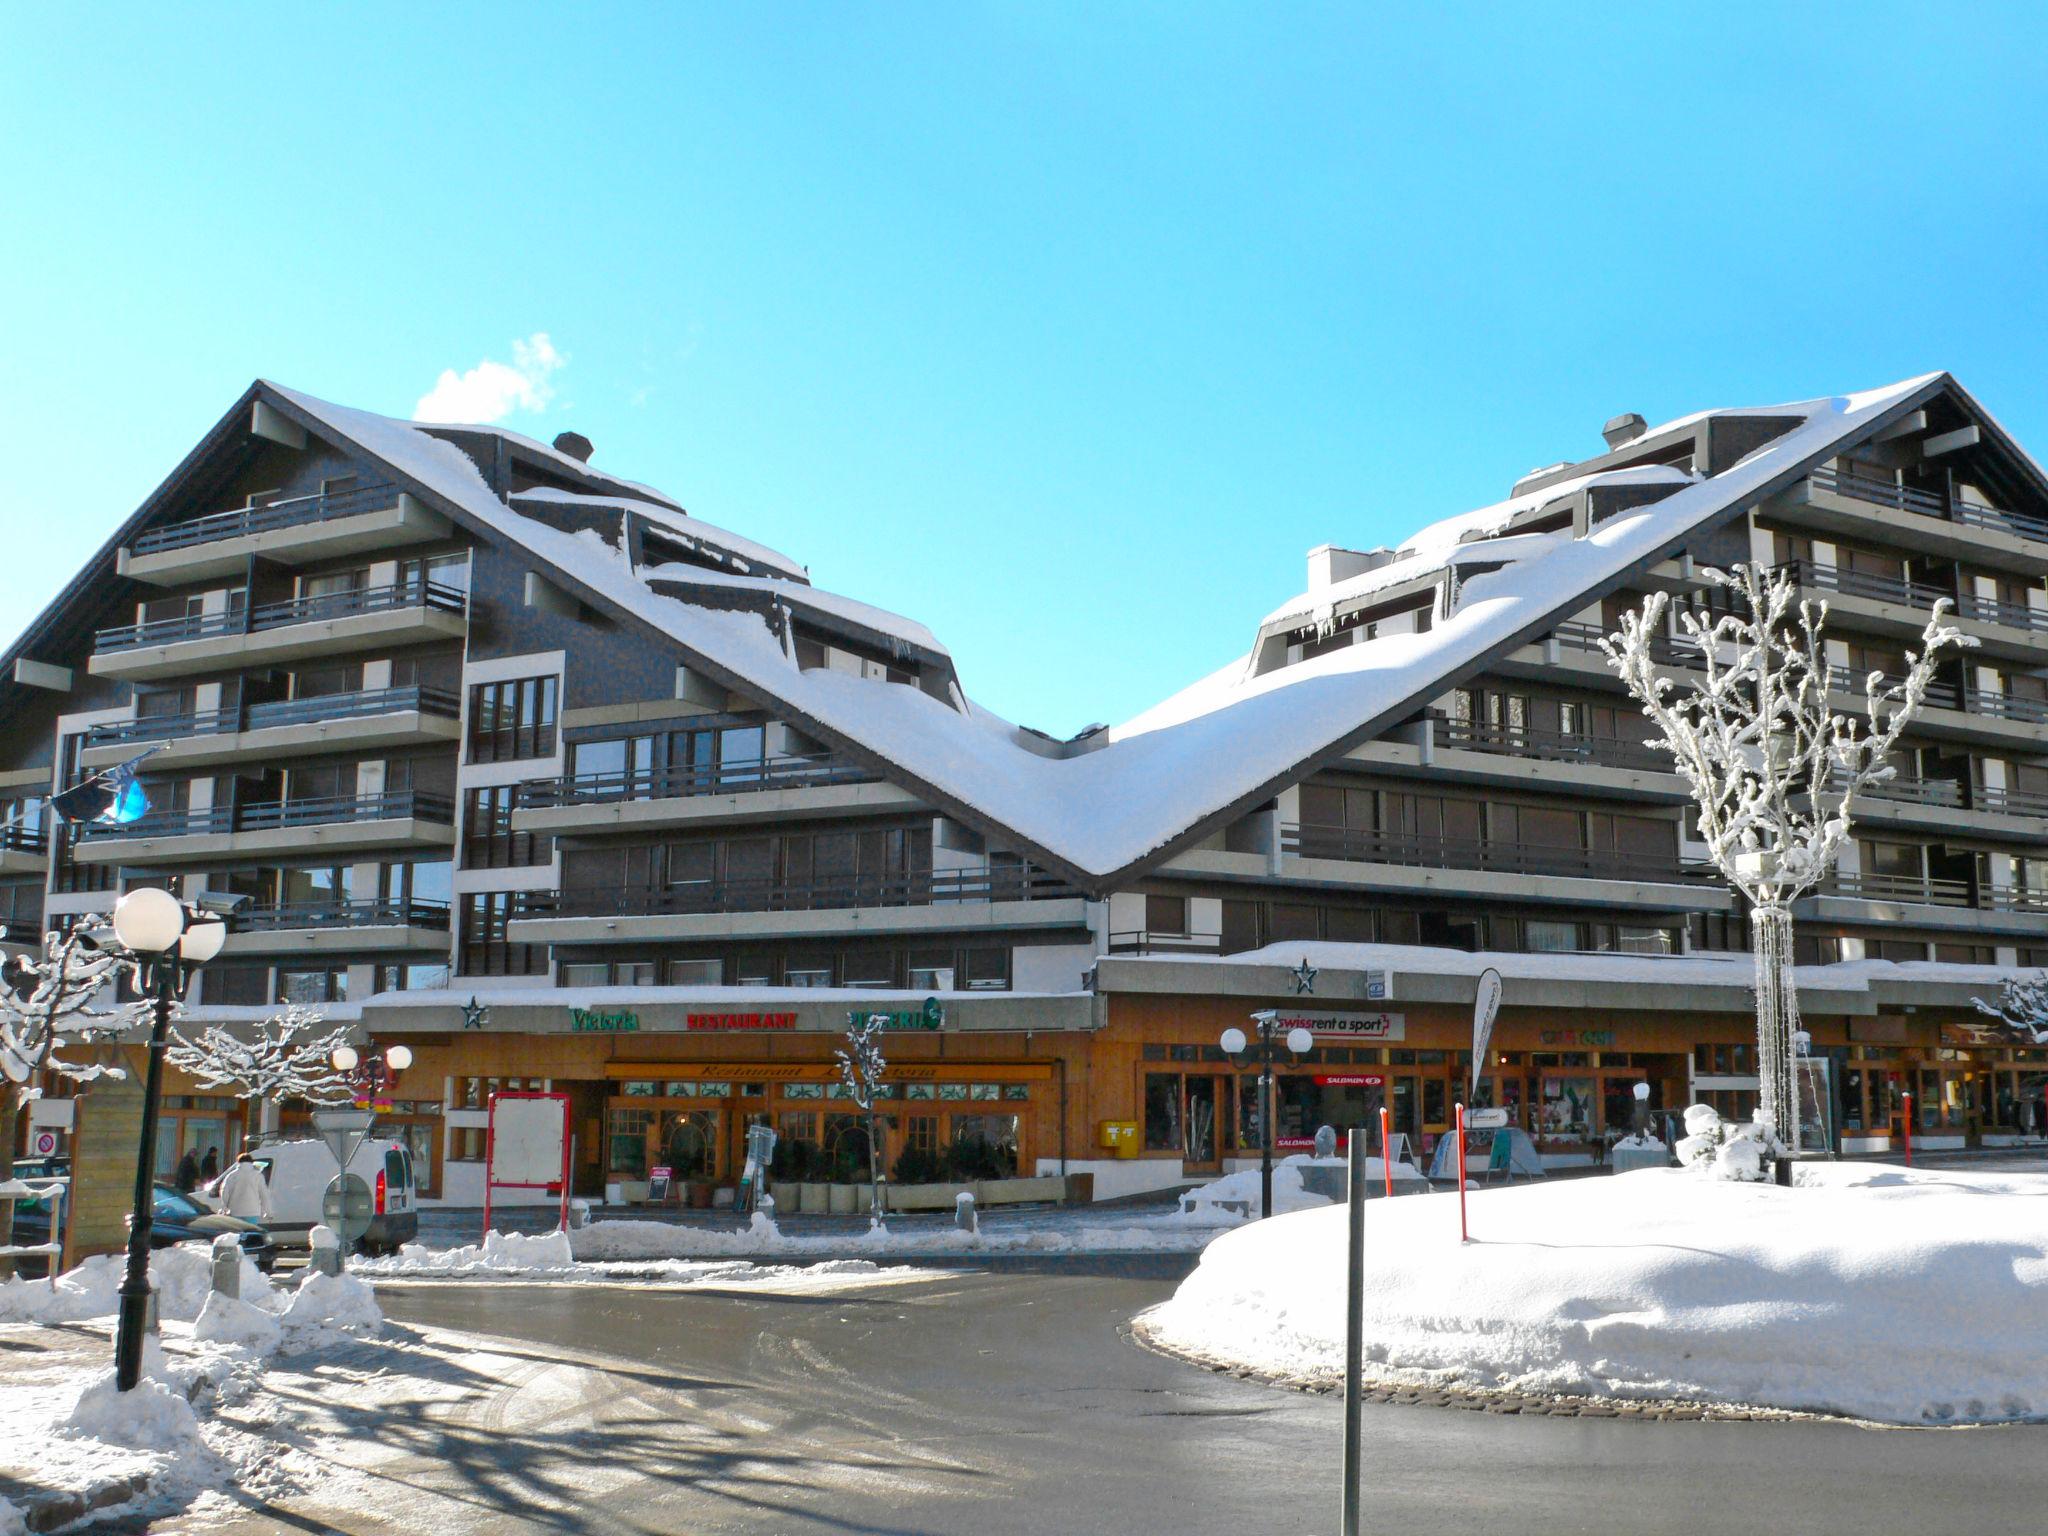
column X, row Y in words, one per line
column 1066, row 329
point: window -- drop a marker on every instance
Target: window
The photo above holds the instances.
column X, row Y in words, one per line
column 430, row 882
column 512, row 719
column 695, row 973
column 1166, row 915
column 588, row 973
column 487, row 949
column 412, row 978
column 1550, row 937
column 819, row 976
column 312, row 986
column 633, row 973
column 236, row 984
column 488, row 840
column 987, row 970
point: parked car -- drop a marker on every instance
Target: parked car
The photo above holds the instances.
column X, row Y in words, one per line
column 41, row 1167
column 175, row 1218
column 299, row 1172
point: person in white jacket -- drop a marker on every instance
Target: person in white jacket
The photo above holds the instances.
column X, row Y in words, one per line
column 244, row 1192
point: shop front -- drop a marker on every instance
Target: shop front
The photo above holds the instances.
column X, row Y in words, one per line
column 663, row 1093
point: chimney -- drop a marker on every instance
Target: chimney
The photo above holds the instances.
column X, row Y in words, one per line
column 577, row 446
column 1625, row 428
column 1328, row 565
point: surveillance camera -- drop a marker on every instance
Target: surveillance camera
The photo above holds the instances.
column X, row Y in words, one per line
column 220, row 903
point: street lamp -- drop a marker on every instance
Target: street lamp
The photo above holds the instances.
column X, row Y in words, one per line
column 168, row 943
column 1299, row 1042
column 372, row 1076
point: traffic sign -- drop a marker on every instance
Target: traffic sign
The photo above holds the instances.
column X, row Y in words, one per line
column 46, row 1144
column 1485, row 1119
column 347, row 1207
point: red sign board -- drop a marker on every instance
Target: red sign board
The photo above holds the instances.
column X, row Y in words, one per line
column 1350, row 1080
column 740, row 1021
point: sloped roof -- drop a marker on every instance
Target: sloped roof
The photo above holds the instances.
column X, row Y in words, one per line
column 1226, row 742
column 1174, row 772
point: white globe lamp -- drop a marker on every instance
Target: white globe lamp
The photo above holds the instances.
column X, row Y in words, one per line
column 398, row 1058
column 345, row 1058
column 148, row 921
column 1300, row 1041
column 1233, row 1041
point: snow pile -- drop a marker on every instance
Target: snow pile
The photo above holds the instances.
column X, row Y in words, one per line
column 238, row 1325
column 1235, row 1196
column 1888, row 1294
column 182, row 1275
column 1723, row 1149
column 155, row 1416
column 505, row 1253
column 638, row 1240
column 326, row 1306
column 1640, row 1141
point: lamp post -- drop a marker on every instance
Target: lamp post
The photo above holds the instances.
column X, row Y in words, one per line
column 168, row 943
column 1299, row 1042
column 373, row 1074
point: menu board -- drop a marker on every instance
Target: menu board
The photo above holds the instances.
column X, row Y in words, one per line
column 659, row 1181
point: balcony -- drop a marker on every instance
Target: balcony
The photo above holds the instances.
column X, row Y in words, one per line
column 1934, row 523
column 1551, row 746
column 1422, row 851
column 1984, row 716
column 332, row 722
column 1961, row 906
column 375, row 926
column 2008, row 629
column 1571, row 653
column 1138, row 941
column 21, row 935
column 401, row 819
column 24, row 850
column 401, row 614
column 945, row 900
column 294, row 532
column 782, row 787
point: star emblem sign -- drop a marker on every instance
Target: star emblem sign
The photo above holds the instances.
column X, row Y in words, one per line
column 1304, row 977
column 475, row 1015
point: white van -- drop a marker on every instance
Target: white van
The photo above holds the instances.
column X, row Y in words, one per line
column 299, row 1172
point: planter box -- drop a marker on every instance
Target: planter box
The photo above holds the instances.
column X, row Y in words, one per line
column 841, row 1198
column 1049, row 1190
column 817, row 1197
column 923, row 1197
column 631, row 1191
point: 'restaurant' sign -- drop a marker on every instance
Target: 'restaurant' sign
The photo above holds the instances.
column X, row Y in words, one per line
column 750, row 1021
column 1345, row 1026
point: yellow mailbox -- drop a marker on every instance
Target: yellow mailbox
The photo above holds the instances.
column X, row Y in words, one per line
column 1119, row 1137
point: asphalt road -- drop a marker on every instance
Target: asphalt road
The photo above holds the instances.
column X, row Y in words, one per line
column 1012, row 1400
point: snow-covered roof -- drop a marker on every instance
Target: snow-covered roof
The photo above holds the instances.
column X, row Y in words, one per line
column 692, row 528
column 1222, row 743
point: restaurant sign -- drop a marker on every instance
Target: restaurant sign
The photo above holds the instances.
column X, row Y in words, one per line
column 1579, row 1037
column 616, row 1022
column 747, row 1021
column 1345, row 1026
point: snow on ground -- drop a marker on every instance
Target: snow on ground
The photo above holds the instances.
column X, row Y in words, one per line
column 70, row 1431
column 624, row 1249
column 1235, row 1196
column 1900, row 1295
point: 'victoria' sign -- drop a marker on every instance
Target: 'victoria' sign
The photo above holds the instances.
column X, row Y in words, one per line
column 932, row 1015
column 619, row 1022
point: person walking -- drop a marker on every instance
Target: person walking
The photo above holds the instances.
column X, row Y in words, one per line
column 244, row 1191
column 209, row 1166
column 187, row 1177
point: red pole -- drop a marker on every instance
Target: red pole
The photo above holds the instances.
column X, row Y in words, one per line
column 1464, row 1232
column 1906, row 1124
column 1386, row 1152
column 490, row 1129
column 568, row 1164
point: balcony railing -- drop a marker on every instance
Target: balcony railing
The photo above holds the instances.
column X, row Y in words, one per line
column 277, row 514
column 1139, row 941
column 1665, row 652
column 1886, row 493
column 284, row 915
column 1973, row 700
column 682, row 782
column 255, row 717
column 1550, row 746
column 1411, row 849
column 2021, row 802
column 1914, row 594
column 1917, row 890
column 1918, row 791
column 21, row 838
column 270, row 814
column 939, row 887
column 22, row 930
column 298, row 610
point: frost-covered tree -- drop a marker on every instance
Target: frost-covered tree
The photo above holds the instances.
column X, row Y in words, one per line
column 1774, row 771
column 861, row 1066
column 2022, row 1007
column 287, row 1056
column 50, row 1006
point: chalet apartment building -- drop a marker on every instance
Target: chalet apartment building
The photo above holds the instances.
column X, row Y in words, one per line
column 519, row 763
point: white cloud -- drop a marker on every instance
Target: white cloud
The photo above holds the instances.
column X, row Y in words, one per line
column 492, row 390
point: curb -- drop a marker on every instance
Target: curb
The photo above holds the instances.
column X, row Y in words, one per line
column 54, row 1511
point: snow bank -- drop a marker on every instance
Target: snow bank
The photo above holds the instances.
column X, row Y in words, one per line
column 182, row 1275
column 325, row 1305
column 1897, row 1295
column 509, row 1253
column 152, row 1417
column 628, row 1240
column 239, row 1324
column 1235, row 1196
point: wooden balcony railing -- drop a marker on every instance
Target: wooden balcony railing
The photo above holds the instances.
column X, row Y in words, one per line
column 254, row 717
column 298, row 610
column 1357, row 846
column 264, row 815
column 291, row 513
column 919, row 889
column 683, row 781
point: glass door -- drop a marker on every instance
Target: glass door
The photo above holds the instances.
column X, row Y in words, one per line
column 1201, row 1139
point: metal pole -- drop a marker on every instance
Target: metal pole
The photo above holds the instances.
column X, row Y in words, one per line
column 1464, row 1231
column 1354, row 1330
column 133, row 1314
column 1386, row 1151
column 1906, row 1127
column 1266, row 1134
